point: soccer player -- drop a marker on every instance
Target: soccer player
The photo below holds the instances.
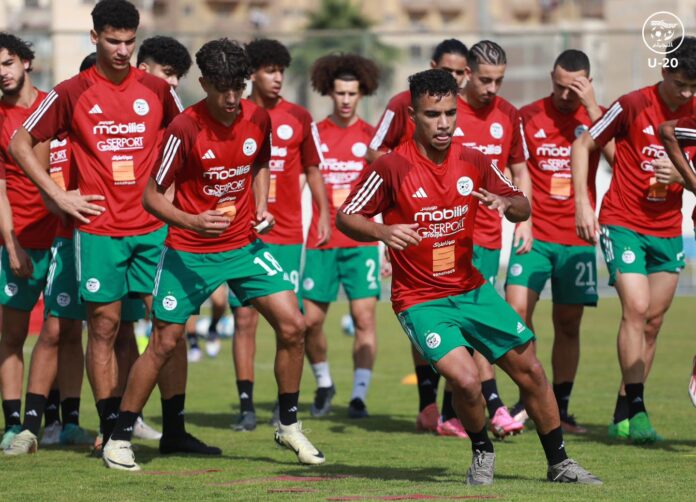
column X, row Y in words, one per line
column 446, row 306
column 395, row 127
column 211, row 240
column 640, row 228
column 294, row 156
column 342, row 139
column 164, row 57
column 551, row 124
column 113, row 115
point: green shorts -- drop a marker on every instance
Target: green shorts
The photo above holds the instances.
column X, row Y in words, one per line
column 487, row 261
column 629, row 252
column 60, row 294
column 19, row 293
column 289, row 256
column 356, row 268
column 572, row 270
column 185, row 280
column 479, row 319
column 110, row 267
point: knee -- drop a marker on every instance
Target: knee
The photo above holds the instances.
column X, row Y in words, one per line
column 163, row 345
column 466, row 385
column 103, row 328
column 636, row 310
column 652, row 327
column 292, row 330
column 244, row 323
column 532, row 373
column 13, row 341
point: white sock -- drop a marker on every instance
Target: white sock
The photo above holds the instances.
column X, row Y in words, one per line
column 322, row 374
column 361, row 382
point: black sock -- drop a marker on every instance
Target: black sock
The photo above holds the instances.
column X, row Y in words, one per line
column 212, row 329
column 621, row 409
column 447, row 410
column 123, row 430
column 562, row 392
column 173, row 415
column 428, row 379
column 70, row 410
column 634, row 396
column 52, row 408
column 480, row 440
column 12, row 409
column 288, row 407
column 34, row 405
column 108, row 415
column 245, row 388
column 553, row 445
column 489, row 388
column 192, row 340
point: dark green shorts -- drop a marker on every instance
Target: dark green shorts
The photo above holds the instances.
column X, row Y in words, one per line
column 479, row 319
column 487, row 261
column 19, row 293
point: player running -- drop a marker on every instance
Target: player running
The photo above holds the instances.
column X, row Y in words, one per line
column 444, row 304
column 640, row 225
column 551, row 124
column 342, row 139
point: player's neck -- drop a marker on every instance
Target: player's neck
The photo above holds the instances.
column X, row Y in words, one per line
column 223, row 118
column 472, row 102
column 24, row 98
column 113, row 76
column 664, row 98
column 343, row 122
column 432, row 154
column 264, row 102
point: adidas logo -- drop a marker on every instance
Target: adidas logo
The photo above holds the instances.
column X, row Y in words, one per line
column 128, row 429
column 562, row 445
column 540, row 134
column 520, row 327
column 293, row 409
column 493, row 396
column 209, row 155
column 95, row 110
column 419, row 194
column 638, row 400
column 51, row 407
column 244, row 395
column 458, row 132
column 181, row 413
column 31, row 413
column 15, row 414
column 649, row 131
column 113, row 416
column 590, row 291
column 74, row 413
column 362, row 384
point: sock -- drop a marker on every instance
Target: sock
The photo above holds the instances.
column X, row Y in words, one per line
column 123, row 430
column 108, row 415
column 212, row 329
column 34, row 405
column 480, row 440
column 554, row 446
column 192, row 340
column 322, row 374
column 12, row 409
column 245, row 388
column 621, row 409
column 447, row 410
column 52, row 408
column 173, row 415
column 489, row 388
column 634, row 396
column 288, row 407
column 361, row 382
column 428, row 379
column 70, row 410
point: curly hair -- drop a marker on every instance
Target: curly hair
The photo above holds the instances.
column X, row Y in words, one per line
column 17, row 47
column 344, row 67
column 224, row 63
column 686, row 59
column 165, row 51
column 438, row 83
column 119, row 14
column 267, row 52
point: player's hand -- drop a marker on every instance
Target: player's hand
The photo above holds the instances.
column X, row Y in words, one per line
column 401, row 236
column 323, row 229
column 492, row 201
column 79, row 206
column 665, row 172
column 523, row 237
column 385, row 266
column 20, row 263
column 264, row 221
column 209, row 223
column 585, row 91
column 586, row 224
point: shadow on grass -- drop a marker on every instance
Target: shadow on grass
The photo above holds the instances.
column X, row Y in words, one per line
column 597, row 433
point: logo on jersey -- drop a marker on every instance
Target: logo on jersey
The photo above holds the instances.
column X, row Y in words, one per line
column 110, row 128
column 663, row 32
column 458, row 132
column 63, row 299
column 420, row 194
column 359, row 149
column 496, row 130
column 433, row 340
column 465, row 185
column 441, row 222
column 209, row 155
column 540, row 134
column 92, row 285
column 141, row 107
column 222, row 173
column 169, row 302
column 485, row 149
column 308, row 284
column 324, row 148
column 516, row 270
column 249, row 147
column 654, row 152
column 649, row 130
column 11, row 289
column 628, row 256
column 284, row 132
column 96, row 109
column 580, row 130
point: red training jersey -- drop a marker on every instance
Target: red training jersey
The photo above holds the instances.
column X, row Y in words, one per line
column 685, row 132
column 33, row 225
column 115, row 134
column 406, row 187
column 549, row 135
column 212, row 167
column 64, row 173
column 395, row 126
column 293, row 150
column 635, row 200
column 343, row 159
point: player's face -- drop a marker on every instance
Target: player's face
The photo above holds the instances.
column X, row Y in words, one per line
column 345, row 96
column 565, row 99
column 435, row 118
column 484, row 83
column 677, row 89
column 223, row 103
column 268, row 81
column 455, row 64
column 114, row 47
column 165, row 72
column 12, row 73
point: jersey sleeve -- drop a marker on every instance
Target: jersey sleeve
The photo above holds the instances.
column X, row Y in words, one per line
column 179, row 140
column 171, row 107
column 391, row 128
column 614, row 122
column 685, row 130
column 518, row 148
column 264, row 123
column 492, row 179
column 374, row 191
column 53, row 116
column 308, row 148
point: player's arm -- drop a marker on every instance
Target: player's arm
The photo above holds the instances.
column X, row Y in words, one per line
column 586, row 223
column 523, row 231
column 260, row 186
column 676, row 155
column 515, row 208
column 20, row 263
column 315, row 181
column 362, row 229
column 582, row 86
